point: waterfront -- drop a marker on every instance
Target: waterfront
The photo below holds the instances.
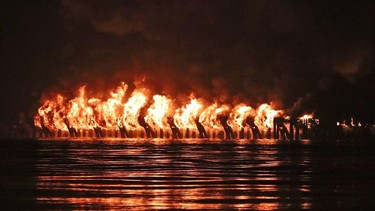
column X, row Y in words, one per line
column 187, row 174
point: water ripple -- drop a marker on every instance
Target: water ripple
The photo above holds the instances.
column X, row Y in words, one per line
column 136, row 175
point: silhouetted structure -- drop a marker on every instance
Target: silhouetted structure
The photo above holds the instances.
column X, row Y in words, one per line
column 98, row 132
column 292, row 128
column 142, row 122
column 228, row 130
column 123, row 132
column 176, row 133
column 279, row 129
column 72, row 131
column 254, row 129
column 202, row 131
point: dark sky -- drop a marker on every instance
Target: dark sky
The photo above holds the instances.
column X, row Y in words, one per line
column 305, row 55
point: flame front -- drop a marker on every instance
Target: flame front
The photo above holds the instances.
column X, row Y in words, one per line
column 264, row 116
column 112, row 110
column 157, row 113
column 142, row 109
column 239, row 114
column 185, row 117
column 133, row 107
column 51, row 114
column 210, row 116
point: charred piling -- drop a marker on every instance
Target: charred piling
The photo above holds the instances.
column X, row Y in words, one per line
column 176, row 133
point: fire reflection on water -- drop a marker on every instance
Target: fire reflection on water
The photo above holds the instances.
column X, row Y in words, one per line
column 120, row 175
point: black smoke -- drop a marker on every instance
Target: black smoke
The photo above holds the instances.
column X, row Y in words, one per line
column 250, row 51
column 258, row 50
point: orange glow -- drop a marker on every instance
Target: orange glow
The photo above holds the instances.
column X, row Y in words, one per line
column 112, row 109
column 51, row 114
column 239, row 114
column 156, row 112
column 305, row 118
column 133, row 107
column 210, row 116
column 264, row 116
column 80, row 113
column 184, row 117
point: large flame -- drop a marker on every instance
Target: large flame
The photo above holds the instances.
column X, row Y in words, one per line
column 238, row 115
column 264, row 116
column 80, row 112
column 133, row 107
column 185, row 116
column 157, row 113
column 210, row 116
column 142, row 109
column 51, row 114
column 112, row 110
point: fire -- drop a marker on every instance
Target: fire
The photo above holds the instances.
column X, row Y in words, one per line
column 185, row 117
column 238, row 115
column 157, row 113
column 80, row 114
column 264, row 116
column 51, row 113
column 112, row 109
column 306, row 117
column 154, row 113
column 210, row 116
column 133, row 107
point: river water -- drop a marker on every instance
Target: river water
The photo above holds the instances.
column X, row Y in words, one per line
column 186, row 174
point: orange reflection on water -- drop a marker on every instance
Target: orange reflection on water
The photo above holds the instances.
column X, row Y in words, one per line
column 179, row 176
column 154, row 194
column 134, row 194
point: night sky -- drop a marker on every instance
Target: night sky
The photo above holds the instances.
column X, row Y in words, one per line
column 302, row 55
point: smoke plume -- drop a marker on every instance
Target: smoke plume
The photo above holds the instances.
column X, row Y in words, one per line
column 242, row 51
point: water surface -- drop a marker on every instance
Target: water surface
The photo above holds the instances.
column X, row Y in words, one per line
column 187, row 174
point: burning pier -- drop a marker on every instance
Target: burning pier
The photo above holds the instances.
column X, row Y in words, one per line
column 283, row 128
column 144, row 116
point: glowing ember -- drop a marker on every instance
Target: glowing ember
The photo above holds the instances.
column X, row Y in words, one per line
column 306, row 117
